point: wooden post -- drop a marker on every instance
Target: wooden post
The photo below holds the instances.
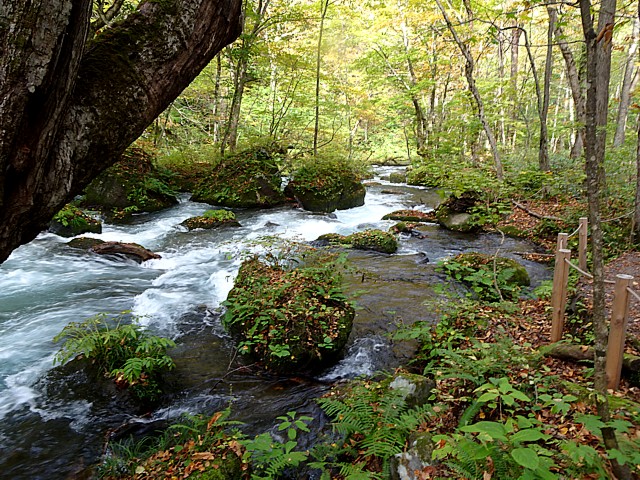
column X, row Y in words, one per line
column 563, row 241
column 617, row 330
column 582, row 246
column 559, row 293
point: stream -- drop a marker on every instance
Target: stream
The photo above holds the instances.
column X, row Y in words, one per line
column 53, row 426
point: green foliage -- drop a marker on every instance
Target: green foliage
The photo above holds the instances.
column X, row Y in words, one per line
column 289, row 316
column 219, row 215
column 72, row 216
column 373, row 422
column 122, row 351
column 377, row 240
column 269, row 456
column 490, row 278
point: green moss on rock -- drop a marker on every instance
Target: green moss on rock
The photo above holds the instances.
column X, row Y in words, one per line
column 375, row 240
column 131, row 185
column 247, row 179
column 212, row 219
column 325, row 185
column 71, row 221
column 289, row 320
column 410, row 216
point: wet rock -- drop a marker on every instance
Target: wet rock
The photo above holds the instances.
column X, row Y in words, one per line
column 410, row 464
column 371, row 239
column 71, row 221
column 350, row 194
column 130, row 250
column 398, row 177
column 415, row 389
column 410, row 216
column 211, row 219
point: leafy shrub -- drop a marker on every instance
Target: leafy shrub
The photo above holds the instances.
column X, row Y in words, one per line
column 289, row 317
column 490, row 278
column 124, row 352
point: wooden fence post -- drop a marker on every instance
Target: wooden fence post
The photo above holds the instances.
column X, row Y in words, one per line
column 563, row 241
column 559, row 293
column 582, row 246
column 617, row 330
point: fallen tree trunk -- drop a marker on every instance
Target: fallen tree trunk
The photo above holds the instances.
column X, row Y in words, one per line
column 579, row 353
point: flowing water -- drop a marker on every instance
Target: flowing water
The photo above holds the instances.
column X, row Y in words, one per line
column 53, row 424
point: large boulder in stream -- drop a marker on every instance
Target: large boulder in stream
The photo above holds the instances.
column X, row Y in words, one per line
column 327, row 185
column 130, row 250
column 289, row 320
column 71, row 221
column 456, row 213
column 132, row 185
column 211, row 219
column 374, row 240
column 247, row 179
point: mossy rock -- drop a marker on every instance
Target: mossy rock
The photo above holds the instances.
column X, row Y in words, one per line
column 212, row 219
column 409, row 216
column 132, row 185
column 326, row 185
column 398, row 177
column 455, row 213
column 290, row 321
column 84, row 243
column 247, row 179
column 376, row 240
column 71, row 221
column 477, row 261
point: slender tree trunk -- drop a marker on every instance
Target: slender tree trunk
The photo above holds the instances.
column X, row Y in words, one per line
column 543, row 156
column 324, row 6
column 513, row 80
column 598, row 77
column 69, row 107
column 217, row 100
column 630, row 74
column 469, row 74
column 577, row 91
column 636, row 215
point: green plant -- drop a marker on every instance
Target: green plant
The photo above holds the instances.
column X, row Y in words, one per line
column 122, row 351
column 289, row 316
column 269, row 456
column 490, row 278
column 72, row 216
column 373, row 422
column 219, row 215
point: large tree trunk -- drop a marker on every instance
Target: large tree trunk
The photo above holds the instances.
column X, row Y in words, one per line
column 69, row 107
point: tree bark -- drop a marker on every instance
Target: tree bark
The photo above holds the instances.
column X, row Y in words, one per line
column 630, row 77
column 543, row 156
column 69, row 107
column 580, row 353
column 598, row 47
column 324, row 6
column 573, row 76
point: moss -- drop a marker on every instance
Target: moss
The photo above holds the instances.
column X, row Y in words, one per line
column 409, row 216
column 250, row 178
column 71, row 221
column 375, row 240
column 212, row 219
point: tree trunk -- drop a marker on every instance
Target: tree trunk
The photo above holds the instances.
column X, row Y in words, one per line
column 573, row 76
column 543, row 156
column 468, row 70
column 69, row 107
column 598, row 46
column 515, row 49
column 630, row 74
column 636, row 213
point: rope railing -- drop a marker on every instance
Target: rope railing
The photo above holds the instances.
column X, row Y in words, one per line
column 619, row 309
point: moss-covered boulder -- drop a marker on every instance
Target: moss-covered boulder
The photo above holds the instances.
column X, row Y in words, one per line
column 410, row 216
column 456, row 213
column 71, row 221
column 375, row 240
column 247, row 179
column 212, row 219
column 398, row 177
column 290, row 321
column 326, row 185
column 131, row 185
